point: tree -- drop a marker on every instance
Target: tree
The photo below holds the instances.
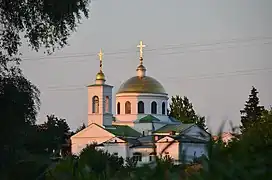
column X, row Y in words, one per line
column 46, row 23
column 42, row 23
column 83, row 126
column 247, row 157
column 53, row 134
column 182, row 109
column 252, row 111
column 19, row 104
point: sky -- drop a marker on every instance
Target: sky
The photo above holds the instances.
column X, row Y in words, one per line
column 213, row 52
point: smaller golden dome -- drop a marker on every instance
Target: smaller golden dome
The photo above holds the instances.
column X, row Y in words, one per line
column 100, row 76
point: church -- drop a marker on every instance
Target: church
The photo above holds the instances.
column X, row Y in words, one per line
column 141, row 128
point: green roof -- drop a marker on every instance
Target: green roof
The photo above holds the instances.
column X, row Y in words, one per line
column 126, row 131
column 173, row 127
column 148, row 119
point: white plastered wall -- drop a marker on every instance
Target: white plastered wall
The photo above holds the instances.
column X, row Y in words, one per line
column 134, row 98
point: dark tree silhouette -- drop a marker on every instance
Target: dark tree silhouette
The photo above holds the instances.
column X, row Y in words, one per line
column 252, row 111
column 182, row 109
column 45, row 23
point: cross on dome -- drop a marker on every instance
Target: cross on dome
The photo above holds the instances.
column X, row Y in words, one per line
column 141, row 46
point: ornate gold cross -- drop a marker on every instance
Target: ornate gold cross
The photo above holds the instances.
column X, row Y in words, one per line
column 141, row 46
column 100, row 55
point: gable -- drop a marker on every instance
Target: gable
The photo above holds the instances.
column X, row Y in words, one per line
column 115, row 140
column 148, row 119
column 197, row 132
column 166, row 139
column 93, row 131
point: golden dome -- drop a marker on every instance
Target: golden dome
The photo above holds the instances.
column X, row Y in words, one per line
column 143, row 84
column 100, row 76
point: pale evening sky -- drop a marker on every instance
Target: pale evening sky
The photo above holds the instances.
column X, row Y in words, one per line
column 210, row 51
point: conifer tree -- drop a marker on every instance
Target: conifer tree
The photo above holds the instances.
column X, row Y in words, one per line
column 182, row 109
column 252, row 111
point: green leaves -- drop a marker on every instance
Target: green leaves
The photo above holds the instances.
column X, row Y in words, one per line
column 252, row 111
column 45, row 23
column 182, row 109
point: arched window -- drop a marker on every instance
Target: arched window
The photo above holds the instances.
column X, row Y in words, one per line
column 107, row 104
column 152, row 156
column 127, row 107
column 167, row 156
column 163, row 108
column 153, row 107
column 137, row 156
column 95, row 104
column 141, row 107
column 118, row 108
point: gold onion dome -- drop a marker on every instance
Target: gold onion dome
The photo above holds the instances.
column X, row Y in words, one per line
column 143, row 84
column 100, row 76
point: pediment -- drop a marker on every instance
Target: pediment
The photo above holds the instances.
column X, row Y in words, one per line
column 165, row 139
column 115, row 140
column 197, row 132
column 93, row 131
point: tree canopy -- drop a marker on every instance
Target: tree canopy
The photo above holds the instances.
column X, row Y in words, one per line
column 182, row 109
column 252, row 111
column 41, row 23
column 45, row 23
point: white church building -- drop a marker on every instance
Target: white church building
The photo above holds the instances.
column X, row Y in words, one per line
column 141, row 127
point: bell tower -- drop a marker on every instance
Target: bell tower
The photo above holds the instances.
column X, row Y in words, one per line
column 100, row 99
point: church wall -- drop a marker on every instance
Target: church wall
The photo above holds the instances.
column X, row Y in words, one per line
column 101, row 92
column 145, row 152
column 140, row 127
column 89, row 135
column 95, row 91
column 107, row 91
column 172, row 150
column 80, row 143
column 192, row 150
column 134, row 98
column 120, row 148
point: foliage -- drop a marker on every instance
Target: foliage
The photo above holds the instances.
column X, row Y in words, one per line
column 90, row 164
column 248, row 157
column 45, row 23
column 52, row 135
column 80, row 128
column 252, row 111
column 19, row 104
column 182, row 109
column 42, row 23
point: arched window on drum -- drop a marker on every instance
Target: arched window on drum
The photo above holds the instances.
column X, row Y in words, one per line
column 163, row 108
column 118, row 108
column 140, row 107
column 127, row 107
column 153, row 107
